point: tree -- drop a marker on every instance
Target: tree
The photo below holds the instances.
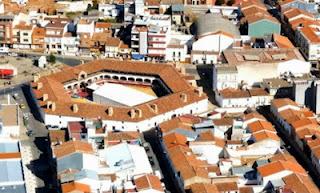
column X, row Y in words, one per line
column 219, row 2
column 52, row 59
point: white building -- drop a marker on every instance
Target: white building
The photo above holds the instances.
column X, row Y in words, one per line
column 55, row 30
column 10, row 124
column 242, row 63
column 108, row 10
column 73, row 6
column 127, row 161
column 309, row 41
column 85, row 26
column 236, row 98
column 140, row 117
column 69, row 44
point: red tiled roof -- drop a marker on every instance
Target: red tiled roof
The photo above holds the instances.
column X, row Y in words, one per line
column 278, row 166
column 70, row 147
column 148, row 182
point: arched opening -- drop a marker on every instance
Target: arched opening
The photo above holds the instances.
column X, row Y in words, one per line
column 131, row 79
column 173, row 116
column 115, row 77
column 107, row 77
column 123, row 78
column 139, row 80
column 147, row 80
column 69, row 87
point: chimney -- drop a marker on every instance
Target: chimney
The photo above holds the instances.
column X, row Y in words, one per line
column 154, row 108
column 183, row 97
column 49, row 103
column 199, row 91
column 75, row 108
column 193, row 83
column 132, row 113
column 110, row 111
column 45, row 97
column 35, row 78
column 39, row 85
column 53, row 106
column 183, row 70
column 139, row 112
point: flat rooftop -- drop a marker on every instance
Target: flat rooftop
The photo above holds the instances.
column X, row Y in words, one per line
column 261, row 55
column 121, row 94
column 9, row 115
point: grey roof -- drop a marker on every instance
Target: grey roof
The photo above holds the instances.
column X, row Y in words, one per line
column 261, row 162
column 9, row 147
column 277, row 183
column 189, row 134
column 13, row 189
column 177, row 7
column 11, row 171
column 211, row 23
column 240, row 170
column 226, row 69
column 72, row 161
column 276, row 83
column 86, row 174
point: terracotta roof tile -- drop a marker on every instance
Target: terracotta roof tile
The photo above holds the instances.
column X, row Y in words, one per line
column 148, row 182
column 282, row 41
column 57, row 136
column 203, row 188
column 11, row 155
column 278, row 103
column 260, row 126
column 246, row 189
column 300, row 183
column 72, row 147
column 187, row 163
column 263, row 135
column 53, row 86
column 294, row 12
column 123, row 136
column 310, row 34
column 174, row 139
column 254, row 115
column 278, row 166
column 227, row 186
column 75, row 187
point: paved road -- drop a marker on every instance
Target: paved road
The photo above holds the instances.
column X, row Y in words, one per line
column 69, row 60
column 292, row 147
column 35, row 148
column 152, row 137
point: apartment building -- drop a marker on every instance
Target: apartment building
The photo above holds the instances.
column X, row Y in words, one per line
column 55, row 30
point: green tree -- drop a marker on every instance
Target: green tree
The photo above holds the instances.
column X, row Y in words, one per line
column 219, row 2
column 52, row 59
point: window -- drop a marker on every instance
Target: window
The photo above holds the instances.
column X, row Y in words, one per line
column 25, row 34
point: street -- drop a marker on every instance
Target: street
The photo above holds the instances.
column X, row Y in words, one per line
column 291, row 146
column 35, row 148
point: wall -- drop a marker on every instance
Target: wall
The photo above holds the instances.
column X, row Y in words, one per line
column 198, row 107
